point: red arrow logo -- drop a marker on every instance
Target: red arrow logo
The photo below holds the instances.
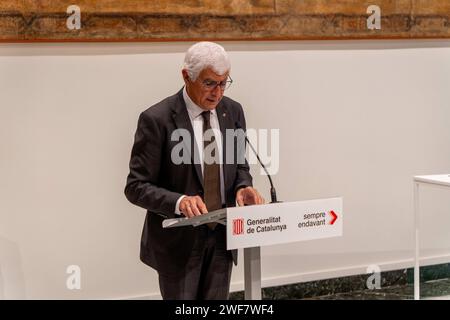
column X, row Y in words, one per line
column 334, row 217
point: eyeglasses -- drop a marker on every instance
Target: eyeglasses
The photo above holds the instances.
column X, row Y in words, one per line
column 211, row 84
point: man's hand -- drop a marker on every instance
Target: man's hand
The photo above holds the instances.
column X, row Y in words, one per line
column 192, row 206
column 249, row 196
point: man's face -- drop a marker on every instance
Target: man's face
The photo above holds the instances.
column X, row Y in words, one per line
column 204, row 97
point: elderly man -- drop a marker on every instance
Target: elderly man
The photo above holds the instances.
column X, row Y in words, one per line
column 192, row 263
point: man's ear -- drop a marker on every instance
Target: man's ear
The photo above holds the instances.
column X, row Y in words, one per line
column 185, row 75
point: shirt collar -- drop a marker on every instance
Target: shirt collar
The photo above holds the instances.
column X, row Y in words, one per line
column 193, row 109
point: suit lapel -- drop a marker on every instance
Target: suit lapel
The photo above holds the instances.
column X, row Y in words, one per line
column 182, row 121
column 225, row 122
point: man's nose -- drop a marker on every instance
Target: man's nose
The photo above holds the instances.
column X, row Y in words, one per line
column 216, row 91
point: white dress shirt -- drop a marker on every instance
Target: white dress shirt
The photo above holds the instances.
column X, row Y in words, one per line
column 196, row 118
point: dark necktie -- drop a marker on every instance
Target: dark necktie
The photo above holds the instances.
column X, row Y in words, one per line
column 211, row 171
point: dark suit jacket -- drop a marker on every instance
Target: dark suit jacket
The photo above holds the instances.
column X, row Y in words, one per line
column 155, row 183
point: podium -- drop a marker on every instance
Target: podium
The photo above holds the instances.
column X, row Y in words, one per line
column 251, row 227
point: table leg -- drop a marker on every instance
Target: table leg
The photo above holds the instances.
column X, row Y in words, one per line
column 252, row 273
column 417, row 243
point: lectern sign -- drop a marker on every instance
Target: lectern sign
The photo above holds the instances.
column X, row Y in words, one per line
column 269, row 224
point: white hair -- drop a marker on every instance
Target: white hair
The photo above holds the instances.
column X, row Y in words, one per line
column 204, row 55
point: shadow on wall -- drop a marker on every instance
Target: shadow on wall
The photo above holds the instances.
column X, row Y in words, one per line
column 12, row 283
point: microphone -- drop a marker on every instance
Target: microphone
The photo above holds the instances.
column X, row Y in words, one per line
column 273, row 192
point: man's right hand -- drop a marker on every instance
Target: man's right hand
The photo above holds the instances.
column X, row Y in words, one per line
column 192, row 206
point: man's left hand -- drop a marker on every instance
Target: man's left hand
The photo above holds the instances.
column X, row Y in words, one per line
column 249, row 196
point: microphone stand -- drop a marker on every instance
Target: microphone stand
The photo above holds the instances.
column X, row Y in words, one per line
column 273, row 192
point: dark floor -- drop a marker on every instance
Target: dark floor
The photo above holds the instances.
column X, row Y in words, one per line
column 395, row 285
column 438, row 289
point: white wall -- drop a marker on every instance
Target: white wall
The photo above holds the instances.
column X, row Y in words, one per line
column 357, row 119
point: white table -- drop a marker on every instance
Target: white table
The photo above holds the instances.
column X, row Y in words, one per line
column 441, row 181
